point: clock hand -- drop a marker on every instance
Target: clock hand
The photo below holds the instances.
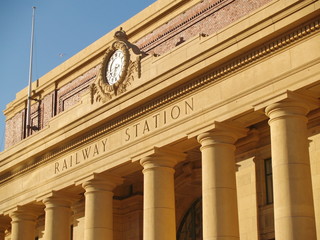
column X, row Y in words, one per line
column 115, row 69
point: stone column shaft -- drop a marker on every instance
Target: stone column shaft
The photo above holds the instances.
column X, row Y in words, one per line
column 23, row 224
column 293, row 198
column 159, row 219
column 99, row 208
column 219, row 194
column 57, row 218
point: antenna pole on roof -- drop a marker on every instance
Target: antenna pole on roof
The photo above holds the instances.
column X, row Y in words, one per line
column 28, row 120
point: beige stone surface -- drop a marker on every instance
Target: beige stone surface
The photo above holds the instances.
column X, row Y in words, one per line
column 219, row 191
column 159, row 220
column 247, row 199
column 131, row 167
column 293, row 197
column 57, row 217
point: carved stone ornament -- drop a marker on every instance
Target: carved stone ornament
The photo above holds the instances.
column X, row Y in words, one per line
column 121, row 64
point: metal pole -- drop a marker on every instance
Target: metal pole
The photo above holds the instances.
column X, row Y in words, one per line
column 28, row 120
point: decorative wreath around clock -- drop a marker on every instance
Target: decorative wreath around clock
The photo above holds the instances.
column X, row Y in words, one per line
column 121, row 64
column 115, row 65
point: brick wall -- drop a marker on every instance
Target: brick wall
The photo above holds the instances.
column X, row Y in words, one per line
column 48, row 106
column 207, row 17
column 15, row 129
column 70, row 94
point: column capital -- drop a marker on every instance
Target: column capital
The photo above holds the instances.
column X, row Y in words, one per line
column 311, row 101
column 59, row 199
column 290, row 107
column 162, row 157
column 221, row 134
column 24, row 221
column 25, row 213
column 101, row 182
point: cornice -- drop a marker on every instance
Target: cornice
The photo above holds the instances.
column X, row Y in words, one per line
column 237, row 64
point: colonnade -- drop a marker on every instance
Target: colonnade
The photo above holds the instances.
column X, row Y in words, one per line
column 293, row 199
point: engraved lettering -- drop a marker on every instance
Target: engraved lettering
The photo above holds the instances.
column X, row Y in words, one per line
column 146, row 127
column 188, row 106
column 127, row 134
column 96, row 150
column 136, row 127
column 159, row 119
column 164, row 117
column 86, row 152
column 156, row 120
column 74, row 159
column 56, row 168
column 64, row 165
column 71, row 161
column 77, row 158
column 104, row 145
column 175, row 112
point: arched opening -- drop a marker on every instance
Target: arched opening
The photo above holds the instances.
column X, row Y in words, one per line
column 191, row 225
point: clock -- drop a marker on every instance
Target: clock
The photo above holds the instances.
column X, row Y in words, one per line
column 115, row 67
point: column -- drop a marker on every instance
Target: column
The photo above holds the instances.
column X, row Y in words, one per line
column 58, row 216
column 99, row 207
column 23, row 223
column 159, row 220
column 293, row 198
column 219, row 194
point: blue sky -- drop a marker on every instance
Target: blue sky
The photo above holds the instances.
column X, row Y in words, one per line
column 63, row 28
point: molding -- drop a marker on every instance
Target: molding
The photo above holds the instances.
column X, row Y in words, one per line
column 77, row 90
column 237, row 64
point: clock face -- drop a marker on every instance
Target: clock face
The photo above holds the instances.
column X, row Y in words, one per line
column 115, row 67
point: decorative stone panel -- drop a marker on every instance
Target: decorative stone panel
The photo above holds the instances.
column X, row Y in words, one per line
column 48, row 106
column 70, row 94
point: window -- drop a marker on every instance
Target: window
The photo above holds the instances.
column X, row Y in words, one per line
column 268, row 179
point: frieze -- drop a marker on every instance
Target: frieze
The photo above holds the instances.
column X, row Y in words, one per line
column 139, row 129
column 80, row 156
column 159, row 119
